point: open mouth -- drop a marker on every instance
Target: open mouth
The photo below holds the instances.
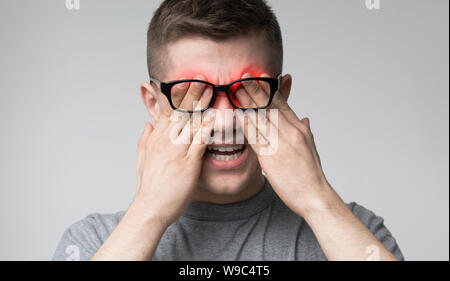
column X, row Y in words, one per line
column 226, row 153
column 226, row 157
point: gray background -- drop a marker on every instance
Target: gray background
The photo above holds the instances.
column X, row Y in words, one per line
column 373, row 82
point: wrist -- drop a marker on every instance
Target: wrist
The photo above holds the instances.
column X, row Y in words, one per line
column 135, row 238
column 325, row 200
column 140, row 215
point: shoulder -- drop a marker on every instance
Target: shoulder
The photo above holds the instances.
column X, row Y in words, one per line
column 372, row 221
column 376, row 225
column 366, row 216
column 84, row 237
column 98, row 222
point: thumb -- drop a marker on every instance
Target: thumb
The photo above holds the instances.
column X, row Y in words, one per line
column 306, row 122
column 142, row 145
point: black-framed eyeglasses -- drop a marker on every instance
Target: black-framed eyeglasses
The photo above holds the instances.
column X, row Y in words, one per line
column 191, row 96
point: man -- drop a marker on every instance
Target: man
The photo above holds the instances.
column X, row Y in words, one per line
column 202, row 197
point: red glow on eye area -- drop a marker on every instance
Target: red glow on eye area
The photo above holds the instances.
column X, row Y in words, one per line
column 235, row 100
column 209, row 76
column 213, row 77
column 235, row 87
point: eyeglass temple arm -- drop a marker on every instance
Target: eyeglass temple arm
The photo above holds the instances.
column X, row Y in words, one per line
column 154, row 80
column 279, row 80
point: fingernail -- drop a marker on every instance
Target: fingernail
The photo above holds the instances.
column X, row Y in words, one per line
column 182, row 86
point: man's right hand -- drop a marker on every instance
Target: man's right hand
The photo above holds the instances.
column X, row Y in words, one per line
column 168, row 168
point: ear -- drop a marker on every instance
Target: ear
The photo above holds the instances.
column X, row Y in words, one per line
column 149, row 97
column 285, row 86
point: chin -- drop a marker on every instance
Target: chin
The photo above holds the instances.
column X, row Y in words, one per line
column 221, row 178
column 221, row 184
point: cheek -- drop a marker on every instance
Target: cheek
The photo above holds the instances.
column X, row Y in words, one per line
column 252, row 158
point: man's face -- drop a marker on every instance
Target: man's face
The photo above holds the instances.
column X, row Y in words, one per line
column 221, row 63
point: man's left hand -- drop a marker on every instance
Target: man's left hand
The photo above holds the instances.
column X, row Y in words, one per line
column 289, row 157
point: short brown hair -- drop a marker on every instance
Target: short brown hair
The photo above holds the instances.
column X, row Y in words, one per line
column 215, row 19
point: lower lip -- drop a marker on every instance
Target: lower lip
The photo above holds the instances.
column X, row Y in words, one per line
column 227, row 164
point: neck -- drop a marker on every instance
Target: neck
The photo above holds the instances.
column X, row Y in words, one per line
column 247, row 190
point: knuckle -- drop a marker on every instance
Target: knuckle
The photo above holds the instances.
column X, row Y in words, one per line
column 305, row 129
column 282, row 104
column 298, row 136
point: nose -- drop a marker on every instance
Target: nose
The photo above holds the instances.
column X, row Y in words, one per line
column 224, row 114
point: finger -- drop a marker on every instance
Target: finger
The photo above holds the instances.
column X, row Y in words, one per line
column 270, row 123
column 286, row 112
column 248, row 126
column 178, row 122
column 266, row 124
column 165, row 111
column 206, row 98
column 178, row 93
column 197, row 96
column 258, row 93
column 142, row 144
column 202, row 137
column 189, row 129
column 242, row 99
column 307, row 122
column 265, row 85
column 280, row 103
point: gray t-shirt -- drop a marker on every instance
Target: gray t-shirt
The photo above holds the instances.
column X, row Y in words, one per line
column 261, row 228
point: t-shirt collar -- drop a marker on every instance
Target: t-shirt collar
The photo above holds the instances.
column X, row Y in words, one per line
column 232, row 211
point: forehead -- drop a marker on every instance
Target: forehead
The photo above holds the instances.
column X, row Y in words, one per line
column 220, row 62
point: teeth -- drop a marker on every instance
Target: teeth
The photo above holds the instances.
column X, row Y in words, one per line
column 231, row 148
column 226, row 157
column 225, row 148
